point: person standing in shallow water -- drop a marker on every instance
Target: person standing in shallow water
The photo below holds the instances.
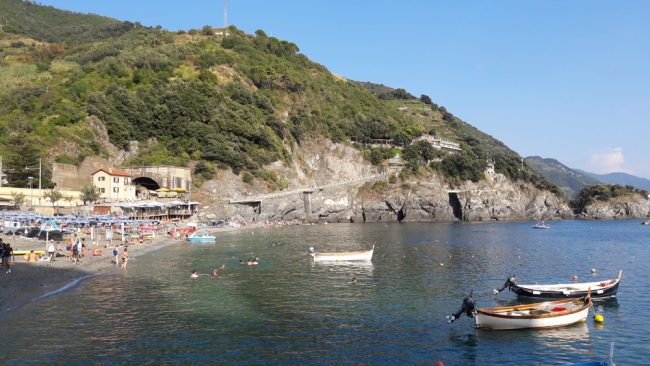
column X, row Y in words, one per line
column 116, row 253
column 125, row 258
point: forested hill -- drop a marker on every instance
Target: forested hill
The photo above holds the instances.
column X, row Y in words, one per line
column 45, row 23
column 216, row 97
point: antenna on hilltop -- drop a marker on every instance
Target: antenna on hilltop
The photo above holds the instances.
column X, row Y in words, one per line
column 225, row 13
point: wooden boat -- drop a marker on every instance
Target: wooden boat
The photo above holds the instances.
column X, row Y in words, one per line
column 201, row 236
column 541, row 225
column 601, row 289
column 548, row 314
column 358, row 255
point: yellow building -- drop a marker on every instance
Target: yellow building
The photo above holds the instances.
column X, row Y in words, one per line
column 114, row 185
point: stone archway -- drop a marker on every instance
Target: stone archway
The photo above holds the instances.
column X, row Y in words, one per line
column 146, row 182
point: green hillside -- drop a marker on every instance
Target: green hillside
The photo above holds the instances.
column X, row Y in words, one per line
column 234, row 101
column 571, row 181
column 45, row 23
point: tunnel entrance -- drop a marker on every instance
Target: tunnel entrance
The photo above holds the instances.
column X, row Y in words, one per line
column 454, row 202
column 146, row 182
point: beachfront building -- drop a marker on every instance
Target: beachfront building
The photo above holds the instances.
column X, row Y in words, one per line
column 155, row 210
column 114, row 185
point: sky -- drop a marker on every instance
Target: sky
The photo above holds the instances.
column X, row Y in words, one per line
column 560, row 79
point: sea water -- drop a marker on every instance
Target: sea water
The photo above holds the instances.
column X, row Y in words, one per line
column 289, row 310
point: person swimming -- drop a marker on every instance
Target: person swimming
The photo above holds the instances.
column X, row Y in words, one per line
column 194, row 274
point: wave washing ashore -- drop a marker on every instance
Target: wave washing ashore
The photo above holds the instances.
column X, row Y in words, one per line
column 29, row 282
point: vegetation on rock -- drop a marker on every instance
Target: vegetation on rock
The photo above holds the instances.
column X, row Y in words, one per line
column 238, row 100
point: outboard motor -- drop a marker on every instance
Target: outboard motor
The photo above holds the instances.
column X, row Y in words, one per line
column 509, row 283
column 467, row 308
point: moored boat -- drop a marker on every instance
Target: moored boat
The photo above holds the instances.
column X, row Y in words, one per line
column 201, row 236
column 548, row 314
column 358, row 255
column 600, row 289
column 541, row 225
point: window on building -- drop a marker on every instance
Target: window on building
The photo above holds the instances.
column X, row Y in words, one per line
column 101, row 179
column 102, row 190
column 116, row 189
column 116, row 179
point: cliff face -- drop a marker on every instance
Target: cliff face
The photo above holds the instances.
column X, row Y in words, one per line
column 332, row 183
column 618, row 208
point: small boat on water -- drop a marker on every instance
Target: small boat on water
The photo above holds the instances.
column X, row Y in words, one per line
column 548, row 314
column 600, row 289
column 358, row 255
column 646, row 222
column 201, row 236
column 541, row 225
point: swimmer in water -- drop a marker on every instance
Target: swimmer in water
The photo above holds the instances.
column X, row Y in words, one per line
column 354, row 280
column 194, row 274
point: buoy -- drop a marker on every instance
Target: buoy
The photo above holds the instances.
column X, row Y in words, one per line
column 593, row 270
column 599, row 318
column 575, row 278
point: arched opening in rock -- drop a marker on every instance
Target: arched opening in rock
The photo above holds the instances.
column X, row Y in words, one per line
column 456, row 208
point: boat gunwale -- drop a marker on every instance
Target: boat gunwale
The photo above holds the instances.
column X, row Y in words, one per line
column 492, row 311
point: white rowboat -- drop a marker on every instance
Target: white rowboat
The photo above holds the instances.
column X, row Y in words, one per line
column 547, row 314
column 358, row 255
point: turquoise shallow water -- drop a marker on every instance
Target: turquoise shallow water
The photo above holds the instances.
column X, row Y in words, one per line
column 288, row 310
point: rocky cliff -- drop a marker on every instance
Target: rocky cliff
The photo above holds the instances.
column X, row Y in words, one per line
column 332, row 183
column 618, row 208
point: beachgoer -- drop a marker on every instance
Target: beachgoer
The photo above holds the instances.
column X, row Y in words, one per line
column 51, row 252
column 194, row 274
column 32, row 257
column 83, row 248
column 116, row 252
column 125, row 258
column 215, row 272
column 7, row 255
column 68, row 248
column 2, row 251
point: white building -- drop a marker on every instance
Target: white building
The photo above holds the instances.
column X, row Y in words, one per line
column 439, row 143
column 114, row 185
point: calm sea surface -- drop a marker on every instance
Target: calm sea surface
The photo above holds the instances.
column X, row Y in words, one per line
column 288, row 310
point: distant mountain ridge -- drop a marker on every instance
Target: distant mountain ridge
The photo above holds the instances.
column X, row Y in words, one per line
column 570, row 181
column 620, row 178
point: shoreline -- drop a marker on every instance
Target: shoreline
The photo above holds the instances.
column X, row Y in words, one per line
column 30, row 282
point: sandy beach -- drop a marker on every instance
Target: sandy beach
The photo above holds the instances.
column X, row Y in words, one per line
column 28, row 281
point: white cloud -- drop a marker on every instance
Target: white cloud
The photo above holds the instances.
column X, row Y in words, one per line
column 608, row 161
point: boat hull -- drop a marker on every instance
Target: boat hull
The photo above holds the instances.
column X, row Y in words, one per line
column 522, row 290
column 344, row 257
column 486, row 321
column 203, row 240
column 549, row 314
